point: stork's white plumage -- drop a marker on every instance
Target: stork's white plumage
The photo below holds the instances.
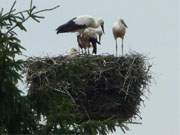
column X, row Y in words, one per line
column 92, row 32
column 89, row 38
column 119, row 30
column 79, row 24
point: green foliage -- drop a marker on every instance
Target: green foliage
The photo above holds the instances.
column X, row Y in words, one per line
column 15, row 111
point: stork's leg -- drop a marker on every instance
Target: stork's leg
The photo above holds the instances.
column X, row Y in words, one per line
column 116, row 48
column 122, row 47
column 88, row 51
column 85, row 50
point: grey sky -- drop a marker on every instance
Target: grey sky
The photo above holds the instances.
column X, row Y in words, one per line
column 152, row 30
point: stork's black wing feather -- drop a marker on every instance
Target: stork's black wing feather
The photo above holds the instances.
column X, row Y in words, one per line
column 70, row 26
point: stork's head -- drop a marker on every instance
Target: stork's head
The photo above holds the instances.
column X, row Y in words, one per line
column 101, row 23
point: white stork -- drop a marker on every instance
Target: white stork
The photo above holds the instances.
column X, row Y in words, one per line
column 89, row 38
column 79, row 24
column 119, row 30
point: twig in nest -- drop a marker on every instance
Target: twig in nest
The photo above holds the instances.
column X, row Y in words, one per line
column 127, row 75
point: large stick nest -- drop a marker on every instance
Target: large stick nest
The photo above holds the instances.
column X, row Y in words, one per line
column 97, row 87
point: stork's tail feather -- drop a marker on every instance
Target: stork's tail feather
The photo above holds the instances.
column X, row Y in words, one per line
column 94, row 41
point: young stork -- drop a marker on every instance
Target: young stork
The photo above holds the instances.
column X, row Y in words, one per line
column 79, row 24
column 89, row 38
column 119, row 30
column 73, row 52
column 83, row 43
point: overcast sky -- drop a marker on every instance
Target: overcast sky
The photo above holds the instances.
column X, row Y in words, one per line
column 152, row 30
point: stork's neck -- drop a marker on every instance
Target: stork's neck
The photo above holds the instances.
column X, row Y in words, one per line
column 97, row 24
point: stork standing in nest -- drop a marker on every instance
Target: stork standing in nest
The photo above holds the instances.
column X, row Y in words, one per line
column 119, row 30
column 89, row 38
